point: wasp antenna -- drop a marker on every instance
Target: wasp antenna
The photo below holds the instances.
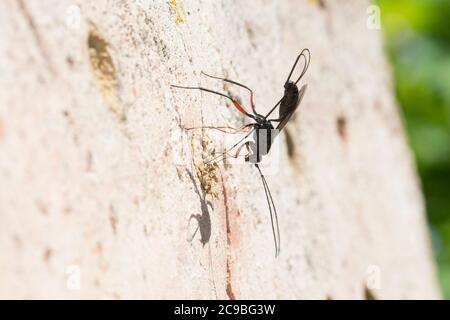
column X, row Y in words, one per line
column 306, row 66
column 235, row 103
column 307, row 60
column 273, row 215
column 184, row 87
column 252, row 103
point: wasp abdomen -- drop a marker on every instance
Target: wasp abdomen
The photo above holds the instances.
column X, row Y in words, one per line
column 290, row 99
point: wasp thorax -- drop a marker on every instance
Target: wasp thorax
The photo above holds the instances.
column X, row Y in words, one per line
column 290, row 98
column 259, row 118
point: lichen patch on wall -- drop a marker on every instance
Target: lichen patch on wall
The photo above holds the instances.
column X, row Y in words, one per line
column 206, row 172
column 104, row 70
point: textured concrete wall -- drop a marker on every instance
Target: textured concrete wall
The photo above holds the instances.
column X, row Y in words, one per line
column 98, row 190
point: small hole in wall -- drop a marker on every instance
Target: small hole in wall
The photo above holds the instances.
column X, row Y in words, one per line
column 341, row 125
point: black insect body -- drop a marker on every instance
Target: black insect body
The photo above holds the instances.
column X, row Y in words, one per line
column 263, row 137
column 262, row 129
column 290, row 100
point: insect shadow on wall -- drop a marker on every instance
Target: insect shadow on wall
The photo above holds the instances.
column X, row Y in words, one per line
column 263, row 130
column 203, row 219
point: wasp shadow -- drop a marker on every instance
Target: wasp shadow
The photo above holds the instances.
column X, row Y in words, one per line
column 203, row 219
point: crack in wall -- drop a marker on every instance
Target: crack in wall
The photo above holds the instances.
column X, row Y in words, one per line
column 36, row 35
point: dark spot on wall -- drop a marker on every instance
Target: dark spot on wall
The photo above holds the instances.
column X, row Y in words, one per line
column 71, row 124
column 146, row 231
column 148, row 20
column 251, row 33
column 47, row 254
column 162, row 47
column 341, row 125
column 320, row 3
column 70, row 61
column 249, row 29
column 369, row 294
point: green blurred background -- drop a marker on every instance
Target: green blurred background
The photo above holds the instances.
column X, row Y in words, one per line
column 417, row 36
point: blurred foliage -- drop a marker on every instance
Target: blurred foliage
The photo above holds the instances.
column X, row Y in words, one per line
column 418, row 41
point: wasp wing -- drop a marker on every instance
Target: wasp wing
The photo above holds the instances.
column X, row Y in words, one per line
column 283, row 122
